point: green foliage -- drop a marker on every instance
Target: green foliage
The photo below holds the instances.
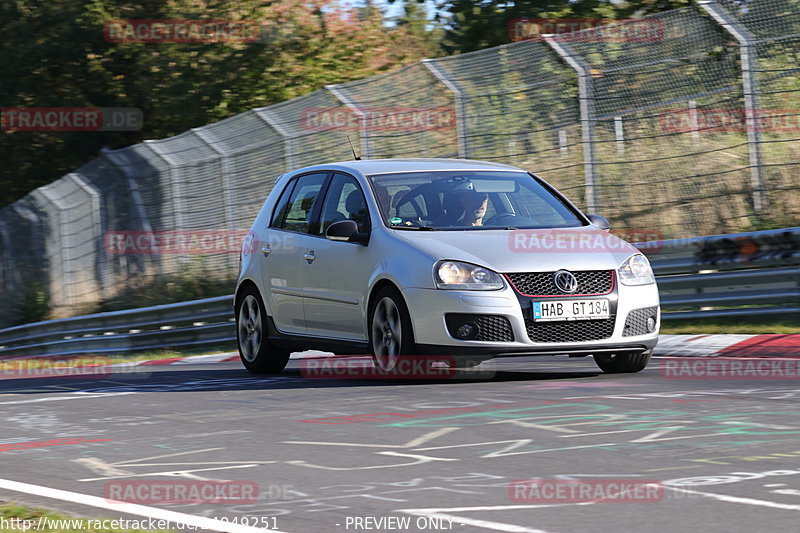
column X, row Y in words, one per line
column 29, row 302
column 485, row 23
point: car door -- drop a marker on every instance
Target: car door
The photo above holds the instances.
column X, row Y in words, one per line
column 282, row 253
column 337, row 279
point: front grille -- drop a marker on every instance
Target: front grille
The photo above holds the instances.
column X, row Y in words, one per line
column 569, row 331
column 541, row 283
column 636, row 322
column 493, row 328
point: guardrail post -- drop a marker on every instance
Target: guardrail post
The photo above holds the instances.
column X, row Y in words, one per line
column 749, row 61
column 461, row 105
column 586, row 104
column 362, row 119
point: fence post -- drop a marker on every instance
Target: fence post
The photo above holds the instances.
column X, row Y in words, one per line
column 177, row 189
column 749, row 60
column 227, row 175
column 619, row 135
column 461, row 106
column 586, row 101
column 363, row 124
column 8, row 275
column 288, row 139
column 133, row 187
column 60, row 262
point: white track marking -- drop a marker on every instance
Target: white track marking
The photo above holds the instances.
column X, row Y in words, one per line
column 485, row 524
column 128, row 508
column 121, row 463
column 738, row 499
column 176, row 473
column 413, row 443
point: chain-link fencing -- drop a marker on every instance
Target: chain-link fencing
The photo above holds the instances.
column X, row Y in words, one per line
column 685, row 123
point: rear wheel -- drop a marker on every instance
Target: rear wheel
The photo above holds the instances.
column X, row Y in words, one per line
column 623, row 362
column 390, row 334
column 258, row 355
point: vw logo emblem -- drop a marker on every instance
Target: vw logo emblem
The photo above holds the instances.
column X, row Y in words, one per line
column 565, row 281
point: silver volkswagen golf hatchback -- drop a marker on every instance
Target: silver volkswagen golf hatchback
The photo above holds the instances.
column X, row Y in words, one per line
column 465, row 259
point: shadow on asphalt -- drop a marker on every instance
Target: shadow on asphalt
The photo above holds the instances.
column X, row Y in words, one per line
column 174, row 379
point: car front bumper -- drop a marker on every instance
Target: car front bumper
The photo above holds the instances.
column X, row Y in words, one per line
column 428, row 308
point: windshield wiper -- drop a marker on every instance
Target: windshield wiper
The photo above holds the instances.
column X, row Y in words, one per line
column 400, row 226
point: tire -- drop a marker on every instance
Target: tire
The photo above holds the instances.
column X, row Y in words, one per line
column 623, row 363
column 257, row 354
column 390, row 332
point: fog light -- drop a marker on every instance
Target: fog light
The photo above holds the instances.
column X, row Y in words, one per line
column 651, row 324
column 467, row 331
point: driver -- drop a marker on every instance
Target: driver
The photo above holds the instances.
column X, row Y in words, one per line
column 475, row 205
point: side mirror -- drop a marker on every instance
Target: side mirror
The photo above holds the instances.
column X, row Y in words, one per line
column 347, row 231
column 600, row 222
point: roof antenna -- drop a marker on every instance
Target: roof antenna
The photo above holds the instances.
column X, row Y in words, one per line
column 353, row 149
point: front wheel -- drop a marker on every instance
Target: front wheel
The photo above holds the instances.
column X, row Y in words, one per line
column 623, row 362
column 258, row 355
column 390, row 334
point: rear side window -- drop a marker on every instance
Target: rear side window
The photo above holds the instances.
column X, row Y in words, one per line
column 283, row 203
column 296, row 204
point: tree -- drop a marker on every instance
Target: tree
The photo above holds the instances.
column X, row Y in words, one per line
column 475, row 25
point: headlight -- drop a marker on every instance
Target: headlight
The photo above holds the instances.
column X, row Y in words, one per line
column 636, row 270
column 457, row 275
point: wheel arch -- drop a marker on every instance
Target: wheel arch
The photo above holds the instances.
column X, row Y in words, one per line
column 376, row 288
column 240, row 290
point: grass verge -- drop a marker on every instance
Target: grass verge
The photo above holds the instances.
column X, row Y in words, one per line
column 19, row 518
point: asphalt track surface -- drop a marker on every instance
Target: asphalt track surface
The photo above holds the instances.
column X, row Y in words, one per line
column 441, row 454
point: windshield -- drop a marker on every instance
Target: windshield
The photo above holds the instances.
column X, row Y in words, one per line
column 459, row 200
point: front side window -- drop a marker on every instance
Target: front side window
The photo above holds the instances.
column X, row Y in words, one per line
column 459, row 200
column 344, row 200
column 296, row 208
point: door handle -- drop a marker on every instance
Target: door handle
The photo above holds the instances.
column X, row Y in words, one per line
column 265, row 250
column 309, row 256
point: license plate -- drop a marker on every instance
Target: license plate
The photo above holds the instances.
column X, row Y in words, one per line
column 571, row 310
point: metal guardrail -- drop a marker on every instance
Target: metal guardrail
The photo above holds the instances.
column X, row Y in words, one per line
column 726, row 275
column 742, row 274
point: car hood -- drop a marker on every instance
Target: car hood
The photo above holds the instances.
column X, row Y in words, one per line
column 537, row 250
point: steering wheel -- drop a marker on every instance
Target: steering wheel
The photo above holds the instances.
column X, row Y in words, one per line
column 502, row 219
